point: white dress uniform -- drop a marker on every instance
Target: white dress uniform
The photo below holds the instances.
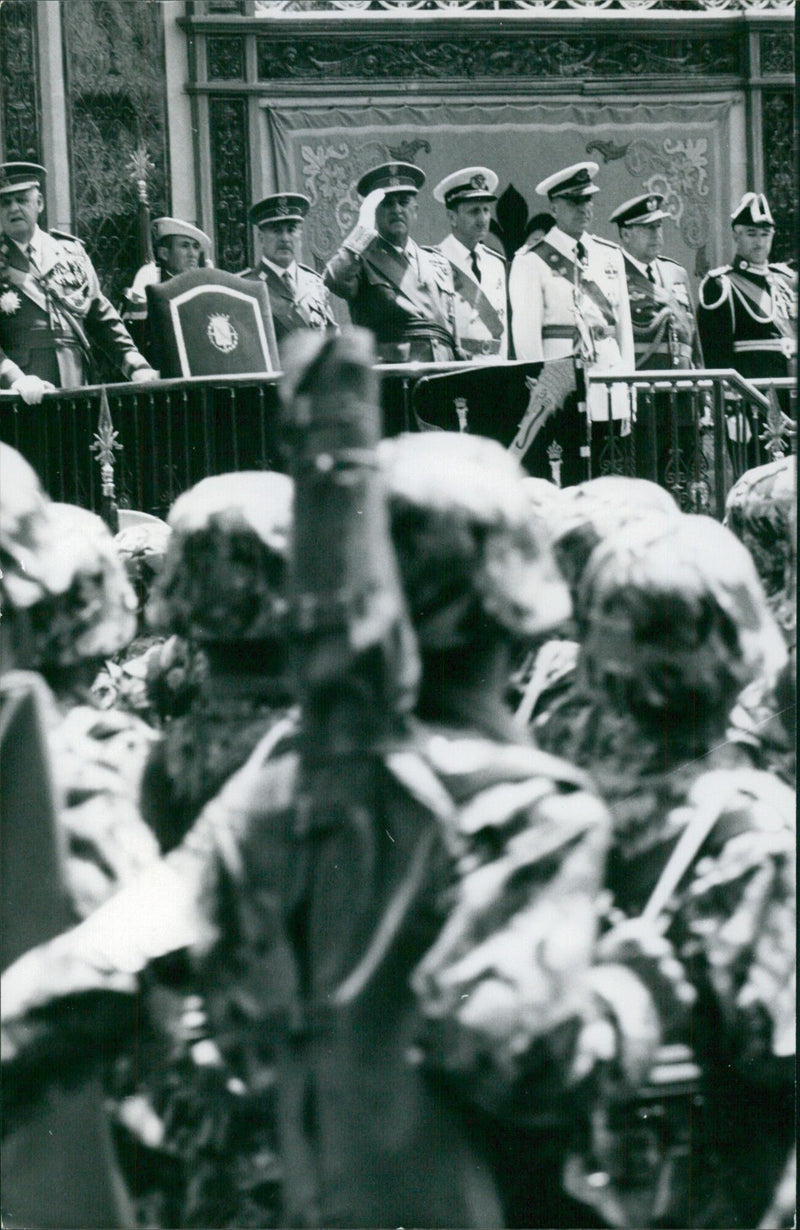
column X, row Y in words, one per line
column 549, row 288
column 481, row 306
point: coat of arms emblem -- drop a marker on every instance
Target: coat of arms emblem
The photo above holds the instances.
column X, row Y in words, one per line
column 221, row 333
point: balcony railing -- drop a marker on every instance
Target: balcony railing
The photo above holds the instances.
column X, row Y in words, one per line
column 165, row 436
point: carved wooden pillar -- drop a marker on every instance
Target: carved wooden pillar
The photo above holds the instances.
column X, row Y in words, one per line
column 20, row 116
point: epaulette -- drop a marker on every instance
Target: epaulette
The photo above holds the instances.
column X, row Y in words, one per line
column 245, row 273
column 492, row 252
column 308, row 269
column 609, row 243
column 782, row 267
column 669, row 261
column 66, row 235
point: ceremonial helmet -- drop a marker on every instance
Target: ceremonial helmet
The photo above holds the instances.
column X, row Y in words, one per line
column 95, row 615
column 676, row 622
column 468, row 550
column 224, row 576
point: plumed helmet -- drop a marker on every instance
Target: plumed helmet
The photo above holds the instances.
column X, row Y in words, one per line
column 591, row 511
column 95, row 616
column 676, row 621
column 224, row 576
column 465, row 540
column 32, row 564
column 760, row 510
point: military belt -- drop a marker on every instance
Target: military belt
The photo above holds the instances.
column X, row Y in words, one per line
column 598, row 332
column 471, row 345
column 787, row 346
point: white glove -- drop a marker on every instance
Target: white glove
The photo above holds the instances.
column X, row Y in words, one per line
column 142, row 374
column 31, row 389
column 364, row 231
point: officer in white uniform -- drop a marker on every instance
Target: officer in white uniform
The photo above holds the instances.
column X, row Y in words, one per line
column 479, row 273
column 569, row 295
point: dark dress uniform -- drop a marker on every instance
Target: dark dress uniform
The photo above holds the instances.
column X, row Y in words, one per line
column 51, row 315
column 748, row 321
column 403, row 297
column 303, row 304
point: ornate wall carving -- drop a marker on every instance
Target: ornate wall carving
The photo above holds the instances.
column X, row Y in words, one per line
column 116, row 103
column 780, row 170
column 19, row 73
column 777, row 52
column 225, row 58
column 231, row 181
column 502, row 56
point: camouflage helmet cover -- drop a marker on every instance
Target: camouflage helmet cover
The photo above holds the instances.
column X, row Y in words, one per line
column 676, row 612
column 224, row 576
column 466, row 540
column 95, row 616
column 32, row 564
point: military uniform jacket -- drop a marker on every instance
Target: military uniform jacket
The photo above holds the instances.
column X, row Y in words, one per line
column 400, row 296
column 49, row 317
column 748, row 320
column 481, row 307
column 308, row 307
column 552, row 296
column 662, row 314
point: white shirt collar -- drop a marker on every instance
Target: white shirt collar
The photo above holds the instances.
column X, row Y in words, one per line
column 564, row 242
column 638, row 264
column 35, row 242
column 279, row 269
column 462, row 251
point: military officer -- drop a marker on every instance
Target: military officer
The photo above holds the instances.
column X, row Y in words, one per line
column 479, row 273
column 747, row 312
column 179, row 247
column 51, row 306
column 664, row 326
column 297, row 294
column 402, row 292
column 569, row 295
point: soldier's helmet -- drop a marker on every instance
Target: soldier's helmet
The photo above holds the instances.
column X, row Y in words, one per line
column 32, row 564
column 676, row 622
column 761, row 511
column 591, row 511
column 470, row 556
column 95, row 616
column 224, row 576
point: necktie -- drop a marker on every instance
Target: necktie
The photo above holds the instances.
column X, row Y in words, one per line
column 289, row 281
column 476, row 269
column 580, row 252
column 650, row 274
column 32, row 258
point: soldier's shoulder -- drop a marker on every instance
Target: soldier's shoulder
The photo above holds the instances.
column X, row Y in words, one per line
column 719, row 272
column 65, row 237
column 676, row 266
column 485, row 249
column 247, row 273
column 785, row 270
column 715, row 286
column 312, row 272
column 605, row 243
column 437, row 256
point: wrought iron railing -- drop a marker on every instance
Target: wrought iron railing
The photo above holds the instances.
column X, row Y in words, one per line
column 163, row 437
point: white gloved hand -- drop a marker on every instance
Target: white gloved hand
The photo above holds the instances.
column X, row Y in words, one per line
column 32, row 389
column 364, row 231
column 142, row 374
